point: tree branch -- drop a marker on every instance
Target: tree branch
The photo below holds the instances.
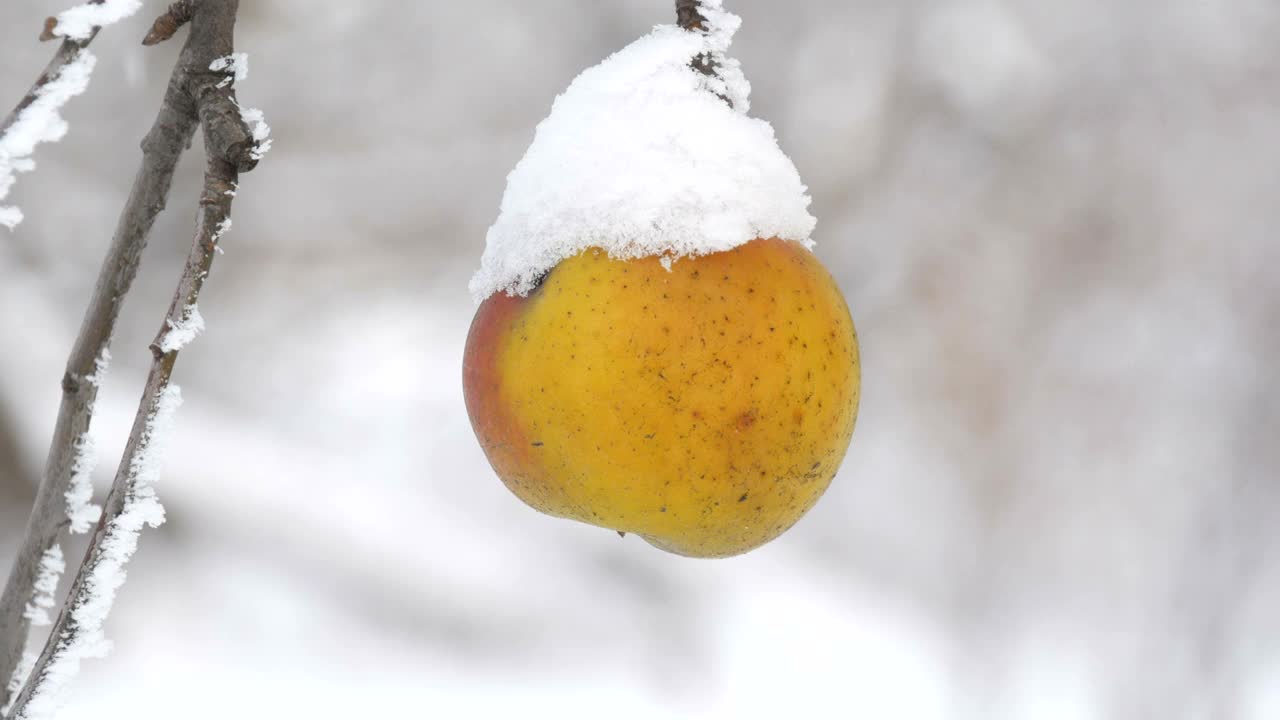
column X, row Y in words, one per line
column 65, row 54
column 195, row 95
column 162, row 147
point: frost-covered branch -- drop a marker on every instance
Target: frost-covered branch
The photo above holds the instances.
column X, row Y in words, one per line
column 64, row 498
column 196, row 95
column 37, row 117
column 690, row 15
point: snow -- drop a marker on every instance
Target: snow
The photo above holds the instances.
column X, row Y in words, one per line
column 18, row 679
column 48, row 574
column 223, row 228
column 81, row 511
column 39, row 122
column 100, row 366
column 236, row 65
column 191, row 324
column 261, row 131
column 77, row 23
column 91, row 606
column 640, row 157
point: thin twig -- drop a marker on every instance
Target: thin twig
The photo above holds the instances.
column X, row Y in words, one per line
column 196, row 95
column 67, row 52
column 689, row 16
column 37, row 119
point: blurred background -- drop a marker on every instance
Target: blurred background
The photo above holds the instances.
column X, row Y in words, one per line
column 1056, row 227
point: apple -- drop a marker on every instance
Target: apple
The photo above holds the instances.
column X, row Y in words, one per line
column 704, row 405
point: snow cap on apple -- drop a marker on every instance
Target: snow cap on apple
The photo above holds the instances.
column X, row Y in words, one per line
column 642, row 156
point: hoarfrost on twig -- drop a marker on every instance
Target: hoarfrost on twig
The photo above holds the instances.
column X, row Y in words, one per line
column 90, row 607
column 52, row 565
column 184, row 331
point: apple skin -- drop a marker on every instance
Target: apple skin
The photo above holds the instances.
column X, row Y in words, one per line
column 705, row 408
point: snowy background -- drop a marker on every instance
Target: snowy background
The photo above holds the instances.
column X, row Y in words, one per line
column 1056, row 226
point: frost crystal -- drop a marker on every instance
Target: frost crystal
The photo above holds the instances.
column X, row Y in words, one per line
column 52, row 565
column 77, row 23
column 100, row 366
column 186, row 329
column 223, row 228
column 81, row 511
column 39, row 122
column 92, row 604
column 235, row 65
column 640, row 157
column 18, row 679
column 238, row 63
column 261, row 131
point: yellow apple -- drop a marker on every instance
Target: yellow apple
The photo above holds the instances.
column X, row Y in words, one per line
column 705, row 406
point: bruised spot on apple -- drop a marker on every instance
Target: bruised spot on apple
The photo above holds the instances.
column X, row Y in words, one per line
column 705, row 408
